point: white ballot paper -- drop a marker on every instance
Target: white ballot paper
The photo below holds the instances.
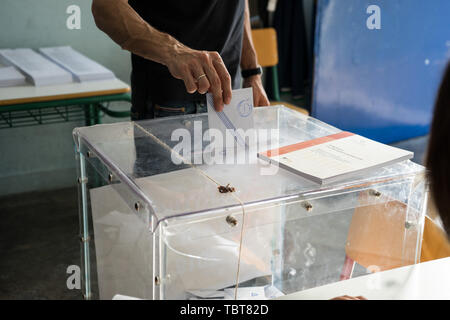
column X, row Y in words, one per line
column 81, row 67
column 37, row 68
column 236, row 117
column 10, row 76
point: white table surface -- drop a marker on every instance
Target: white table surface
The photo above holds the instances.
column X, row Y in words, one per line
column 30, row 93
column 423, row 281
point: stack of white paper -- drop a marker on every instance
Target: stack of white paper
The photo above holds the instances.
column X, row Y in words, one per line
column 334, row 157
column 38, row 69
column 81, row 67
column 10, row 76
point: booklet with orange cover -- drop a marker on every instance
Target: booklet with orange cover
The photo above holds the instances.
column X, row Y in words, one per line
column 331, row 158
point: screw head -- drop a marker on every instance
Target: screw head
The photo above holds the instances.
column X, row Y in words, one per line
column 231, row 221
column 409, row 225
column 137, row 206
column 375, row 193
column 308, row 206
column 157, row 281
column 80, row 180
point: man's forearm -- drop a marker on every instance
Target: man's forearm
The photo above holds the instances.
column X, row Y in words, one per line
column 202, row 71
column 248, row 56
column 119, row 20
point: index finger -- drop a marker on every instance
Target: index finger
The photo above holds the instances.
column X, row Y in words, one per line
column 224, row 78
column 215, row 87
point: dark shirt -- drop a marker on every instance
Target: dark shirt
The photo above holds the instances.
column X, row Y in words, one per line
column 212, row 25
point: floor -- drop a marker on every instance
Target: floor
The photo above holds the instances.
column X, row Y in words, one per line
column 38, row 240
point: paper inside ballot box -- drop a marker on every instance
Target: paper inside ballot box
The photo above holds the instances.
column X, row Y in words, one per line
column 200, row 255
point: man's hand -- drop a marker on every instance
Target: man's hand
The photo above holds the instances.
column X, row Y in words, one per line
column 259, row 94
column 202, row 71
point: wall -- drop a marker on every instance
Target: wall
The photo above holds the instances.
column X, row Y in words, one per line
column 42, row 157
column 378, row 67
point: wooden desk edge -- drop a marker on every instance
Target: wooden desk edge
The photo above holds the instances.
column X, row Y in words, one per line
column 65, row 96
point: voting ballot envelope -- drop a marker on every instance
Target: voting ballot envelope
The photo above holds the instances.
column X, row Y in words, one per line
column 162, row 217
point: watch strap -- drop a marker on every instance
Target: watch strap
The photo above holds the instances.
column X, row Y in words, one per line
column 251, row 72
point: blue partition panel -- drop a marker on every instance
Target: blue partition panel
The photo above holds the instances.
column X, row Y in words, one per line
column 378, row 65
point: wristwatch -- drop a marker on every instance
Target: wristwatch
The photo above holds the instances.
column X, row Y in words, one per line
column 251, row 72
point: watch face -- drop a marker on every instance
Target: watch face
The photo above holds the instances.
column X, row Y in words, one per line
column 244, row 108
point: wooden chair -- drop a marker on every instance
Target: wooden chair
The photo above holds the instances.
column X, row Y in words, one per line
column 435, row 244
column 376, row 236
column 265, row 42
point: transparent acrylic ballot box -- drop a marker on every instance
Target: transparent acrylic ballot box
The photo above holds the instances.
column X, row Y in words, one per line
column 154, row 224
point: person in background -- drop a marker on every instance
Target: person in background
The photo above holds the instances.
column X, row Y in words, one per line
column 181, row 50
column 438, row 154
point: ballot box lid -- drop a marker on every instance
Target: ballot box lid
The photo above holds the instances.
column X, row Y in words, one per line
column 163, row 167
